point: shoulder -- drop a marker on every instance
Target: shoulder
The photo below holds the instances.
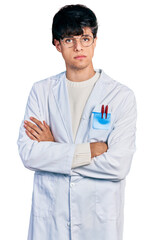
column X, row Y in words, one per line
column 45, row 83
column 120, row 97
column 117, row 88
column 42, row 87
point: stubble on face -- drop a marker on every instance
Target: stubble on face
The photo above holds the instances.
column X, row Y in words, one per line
column 78, row 67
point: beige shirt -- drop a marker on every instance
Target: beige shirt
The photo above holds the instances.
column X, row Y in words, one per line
column 78, row 95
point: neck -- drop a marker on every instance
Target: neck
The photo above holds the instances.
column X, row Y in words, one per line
column 79, row 75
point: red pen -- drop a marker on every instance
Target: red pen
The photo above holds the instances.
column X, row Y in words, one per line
column 102, row 110
column 106, row 110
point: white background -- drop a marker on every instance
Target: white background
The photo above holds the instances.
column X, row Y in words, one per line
column 125, row 51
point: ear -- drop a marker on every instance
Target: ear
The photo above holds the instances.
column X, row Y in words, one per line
column 57, row 45
column 95, row 40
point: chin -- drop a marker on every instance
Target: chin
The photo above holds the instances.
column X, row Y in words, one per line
column 79, row 66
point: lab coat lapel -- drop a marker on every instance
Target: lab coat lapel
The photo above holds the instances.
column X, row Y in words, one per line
column 61, row 97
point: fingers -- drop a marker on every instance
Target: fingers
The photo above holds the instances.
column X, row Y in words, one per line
column 28, row 125
column 30, row 135
column 38, row 131
column 31, row 130
column 45, row 124
column 39, row 123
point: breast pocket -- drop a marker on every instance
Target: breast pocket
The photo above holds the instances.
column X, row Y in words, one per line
column 99, row 122
column 99, row 127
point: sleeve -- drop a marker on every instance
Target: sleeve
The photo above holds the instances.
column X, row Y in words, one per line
column 82, row 155
column 115, row 164
column 43, row 156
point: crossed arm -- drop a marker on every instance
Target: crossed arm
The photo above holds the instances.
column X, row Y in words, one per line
column 39, row 144
column 42, row 132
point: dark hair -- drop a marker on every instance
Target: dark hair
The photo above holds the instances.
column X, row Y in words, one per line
column 70, row 20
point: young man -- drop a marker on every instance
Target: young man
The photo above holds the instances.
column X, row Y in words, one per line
column 78, row 135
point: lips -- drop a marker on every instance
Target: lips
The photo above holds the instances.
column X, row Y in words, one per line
column 80, row 57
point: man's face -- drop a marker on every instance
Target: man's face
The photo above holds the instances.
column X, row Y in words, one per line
column 77, row 57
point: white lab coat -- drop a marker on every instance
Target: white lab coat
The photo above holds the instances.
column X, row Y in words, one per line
column 86, row 202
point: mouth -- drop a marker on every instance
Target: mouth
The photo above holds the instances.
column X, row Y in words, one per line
column 80, row 57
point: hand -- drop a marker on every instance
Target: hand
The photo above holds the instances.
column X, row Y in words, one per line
column 39, row 132
column 97, row 148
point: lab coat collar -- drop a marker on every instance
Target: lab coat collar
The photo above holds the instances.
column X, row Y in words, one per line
column 60, row 93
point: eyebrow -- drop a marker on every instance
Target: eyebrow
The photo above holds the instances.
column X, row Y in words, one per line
column 84, row 35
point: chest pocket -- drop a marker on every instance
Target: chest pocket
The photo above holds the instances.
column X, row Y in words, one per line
column 101, row 123
column 100, row 127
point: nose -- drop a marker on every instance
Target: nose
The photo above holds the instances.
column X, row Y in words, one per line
column 77, row 45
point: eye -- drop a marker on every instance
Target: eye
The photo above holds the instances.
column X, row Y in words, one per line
column 68, row 40
column 86, row 39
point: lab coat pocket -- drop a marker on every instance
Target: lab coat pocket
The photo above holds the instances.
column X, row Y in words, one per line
column 101, row 123
column 107, row 200
column 43, row 195
column 99, row 127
